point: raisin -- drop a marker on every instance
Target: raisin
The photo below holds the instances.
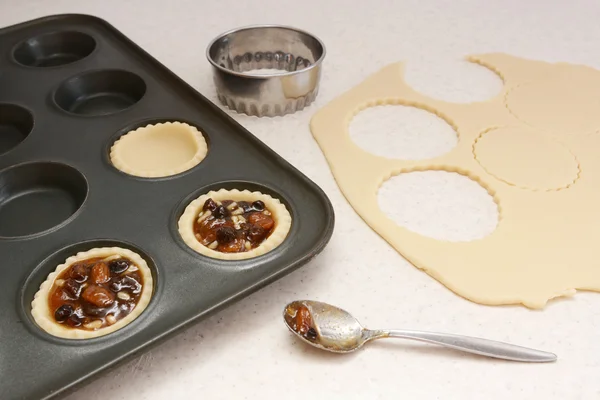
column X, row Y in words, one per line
column 311, row 334
column 256, row 234
column 63, row 312
column 100, row 273
column 220, row 212
column 225, row 234
column 98, row 296
column 264, row 221
column 234, row 246
column 79, row 272
column 208, row 229
column 72, row 288
column 126, row 282
column 209, row 205
column 258, row 205
column 94, row 311
column 303, row 320
column 118, row 266
column 74, row 321
column 244, row 205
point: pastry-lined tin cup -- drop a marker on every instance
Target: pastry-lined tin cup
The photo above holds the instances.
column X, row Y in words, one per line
column 238, row 54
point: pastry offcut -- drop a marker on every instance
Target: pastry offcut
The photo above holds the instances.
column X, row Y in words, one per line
column 534, row 148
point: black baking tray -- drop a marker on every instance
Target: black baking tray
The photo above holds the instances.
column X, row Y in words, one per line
column 59, row 194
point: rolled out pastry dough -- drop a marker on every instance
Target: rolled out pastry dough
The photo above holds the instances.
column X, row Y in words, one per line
column 535, row 147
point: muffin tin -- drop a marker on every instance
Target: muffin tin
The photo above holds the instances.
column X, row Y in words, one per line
column 70, row 86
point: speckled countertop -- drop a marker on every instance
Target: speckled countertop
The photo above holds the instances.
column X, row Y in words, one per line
column 245, row 351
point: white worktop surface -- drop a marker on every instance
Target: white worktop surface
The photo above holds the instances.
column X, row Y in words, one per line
column 245, row 351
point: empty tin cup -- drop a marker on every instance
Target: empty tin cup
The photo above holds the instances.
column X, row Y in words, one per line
column 266, row 70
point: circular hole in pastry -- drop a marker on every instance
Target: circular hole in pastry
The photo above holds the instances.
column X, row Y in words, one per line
column 100, row 92
column 438, row 204
column 159, row 150
column 232, row 224
column 54, row 49
column 457, row 81
column 36, row 197
column 537, row 161
column 15, row 124
column 90, row 289
column 397, row 131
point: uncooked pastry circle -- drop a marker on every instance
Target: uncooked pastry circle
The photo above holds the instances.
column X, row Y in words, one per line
column 527, row 159
column 40, row 309
column 545, row 243
column 159, row 150
column 279, row 213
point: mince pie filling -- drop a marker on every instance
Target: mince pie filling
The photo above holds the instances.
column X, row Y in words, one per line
column 230, row 226
column 95, row 293
column 300, row 320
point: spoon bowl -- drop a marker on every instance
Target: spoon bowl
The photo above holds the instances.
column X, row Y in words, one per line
column 332, row 329
column 337, row 330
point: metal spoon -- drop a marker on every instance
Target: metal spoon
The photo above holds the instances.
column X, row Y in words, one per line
column 333, row 329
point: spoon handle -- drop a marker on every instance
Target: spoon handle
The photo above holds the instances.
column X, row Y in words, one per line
column 484, row 347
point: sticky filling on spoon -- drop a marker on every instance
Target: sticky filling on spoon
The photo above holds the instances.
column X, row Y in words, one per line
column 300, row 320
